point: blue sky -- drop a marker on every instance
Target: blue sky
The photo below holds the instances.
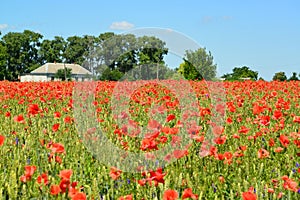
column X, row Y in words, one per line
column 261, row 34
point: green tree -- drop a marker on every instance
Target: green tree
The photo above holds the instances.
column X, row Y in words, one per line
column 139, row 58
column 150, row 53
column 111, row 75
column 189, row 71
column 239, row 73
column 75, row 50
column 52, row 50
column 63, row 74
column 3, row 59
column 198, row 64
column 279, row 76
column 92, row 47
column 294, row 77
column 23, row 52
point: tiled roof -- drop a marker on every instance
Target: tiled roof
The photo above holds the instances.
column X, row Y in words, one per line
column 51, row 68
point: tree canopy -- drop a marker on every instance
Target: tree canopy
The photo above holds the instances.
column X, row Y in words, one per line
column 240, row 73
column 294, row 77
column 63, row 74
column 198, row 64
column 279, row 76
column 110, row 56
column 22, row 49
column 22, row 52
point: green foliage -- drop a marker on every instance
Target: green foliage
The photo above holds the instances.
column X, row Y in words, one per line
column 294, row 77
column 75, row 49
column 130, row 55
column 279, row 76
column 240, row 73
column 111, row 75
column 63, row 74
column 52, row 50
column 189, row 71
column 198, row 65
column 22, row 49
column 3, row 58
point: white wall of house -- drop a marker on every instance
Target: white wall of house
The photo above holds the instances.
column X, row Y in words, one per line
column 35, row 78
column 40, row 78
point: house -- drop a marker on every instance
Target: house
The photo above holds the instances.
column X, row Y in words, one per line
column 47, row 72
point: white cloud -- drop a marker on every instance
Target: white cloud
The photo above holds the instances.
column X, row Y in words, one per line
column 121, row 25
column 3, row 26
column 207, row 19
column 227, row 17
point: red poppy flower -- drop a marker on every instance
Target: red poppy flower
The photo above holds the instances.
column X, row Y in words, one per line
column 228, row 155
column 65, row 174
column 178, row 153
column 57, row 115
column 29, row 171
column 170, row 117
column 115, row 173
column 262, row 153
column 19, row 119
column 229, row 120
column 7, row 114
column 271, row 142
column 72, row 191
column 58, row 159
column 127, row 197
column 55, row 127
column 79, row 196
column 2, row 139
column 278, row 149
column 220, row 140
column 43, row 178
column 154, row 125
column 284, row 140
column 277, row 114
column 296, row 119
column 64, row 185
column 187, row 193
column 221, row 179
column 54, row 190
column 244, row 130
column 148, row 144
column 68, row 120
column 170, row 195
column 33, row 109
column 249, row 195
column 218, row 130
column 297, row 143
column 271, row 190
column 257, row 109
column 57, row 148
column 142, row 182
column 265, row 120
column 157, row 176
column 289, row 184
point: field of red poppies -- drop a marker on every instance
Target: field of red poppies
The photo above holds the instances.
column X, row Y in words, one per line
column 50, row 152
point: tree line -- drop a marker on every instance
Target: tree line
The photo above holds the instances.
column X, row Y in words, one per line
column 111, row 56
column 108, row 56
column 245, row 73
column 23, row 52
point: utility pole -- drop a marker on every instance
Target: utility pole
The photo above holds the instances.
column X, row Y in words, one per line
column 157, row 71
column 65, row 71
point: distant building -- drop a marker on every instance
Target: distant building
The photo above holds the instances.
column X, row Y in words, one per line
column 47, row 73
column 245, row 79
